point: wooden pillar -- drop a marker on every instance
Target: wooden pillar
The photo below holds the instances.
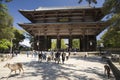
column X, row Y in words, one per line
column 83, row 40
column 80, row 47
column 45, row 43
column 70, row 42
column 83, row 43
column 92, row 43
column 41, row 43
column 58, row 39
column 87, row 39
column 70, row 37
column 48, row 42
column 45, row 38
column 33, row 43
column 58, row 42
column 87, row 43
column 38, row 42
column 35, row 47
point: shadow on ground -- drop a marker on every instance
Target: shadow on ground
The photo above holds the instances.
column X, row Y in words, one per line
column 53, row 71
column 90, row 59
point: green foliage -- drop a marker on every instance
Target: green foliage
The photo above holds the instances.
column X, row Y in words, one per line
column 5, row 44
column 5, row 1
column 111, row 6
column 8, row 0
column 7, row 32
column 19, row 37
column 14, row 34
column 112, row 9
column 6, row 21
column 89, row 1
column 99, row 42
column 75, row 43
column 54, row 42
column 112, row 37
column 63, row 45
column 115, row 20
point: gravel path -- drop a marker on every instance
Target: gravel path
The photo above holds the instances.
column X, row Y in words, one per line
column 75, row 68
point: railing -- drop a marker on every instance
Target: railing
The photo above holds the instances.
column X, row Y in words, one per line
column 114, row 69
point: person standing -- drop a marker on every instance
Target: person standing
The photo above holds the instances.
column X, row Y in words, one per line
column 63, row 57
column 57, row 56
column 27, row 52
column 67, row 55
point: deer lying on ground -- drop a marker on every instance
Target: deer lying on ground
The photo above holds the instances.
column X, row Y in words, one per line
column 107, row 70
column 14, row 67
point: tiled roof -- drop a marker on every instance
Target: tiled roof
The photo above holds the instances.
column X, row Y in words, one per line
column 60, row 8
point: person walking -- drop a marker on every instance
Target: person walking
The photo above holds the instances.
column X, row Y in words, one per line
column 63, row 57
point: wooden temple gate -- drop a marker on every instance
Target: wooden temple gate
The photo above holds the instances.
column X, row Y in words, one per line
column 81, row 23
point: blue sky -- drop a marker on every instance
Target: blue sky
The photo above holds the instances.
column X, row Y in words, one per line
column 15, row 5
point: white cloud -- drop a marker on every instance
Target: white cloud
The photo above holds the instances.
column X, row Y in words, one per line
column 26, row 42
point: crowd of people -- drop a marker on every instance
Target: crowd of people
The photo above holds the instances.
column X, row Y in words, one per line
column 57, row 56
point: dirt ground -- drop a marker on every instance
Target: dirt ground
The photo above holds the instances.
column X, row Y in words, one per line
column 76, row 68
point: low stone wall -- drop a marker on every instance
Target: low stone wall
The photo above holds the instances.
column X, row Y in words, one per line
column 94, row 53
column 4, row 57
column 114, row 69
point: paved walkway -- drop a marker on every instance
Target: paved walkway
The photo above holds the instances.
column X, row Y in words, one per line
column 75, row 68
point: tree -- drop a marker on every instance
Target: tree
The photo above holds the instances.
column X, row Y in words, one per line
column 76, row 43
column 112, row 37
column 4, row 44
column 53, row 46
column 7, row 32
column 19, row 37
column 111, row 8
column 89, row 1
column 63, row 45
column 6, row 22
column 5, row 1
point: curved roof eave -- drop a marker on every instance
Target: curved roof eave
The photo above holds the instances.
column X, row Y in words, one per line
column 60, row 8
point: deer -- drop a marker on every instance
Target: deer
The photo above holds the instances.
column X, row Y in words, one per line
column 107, row 70
column 14, row 67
